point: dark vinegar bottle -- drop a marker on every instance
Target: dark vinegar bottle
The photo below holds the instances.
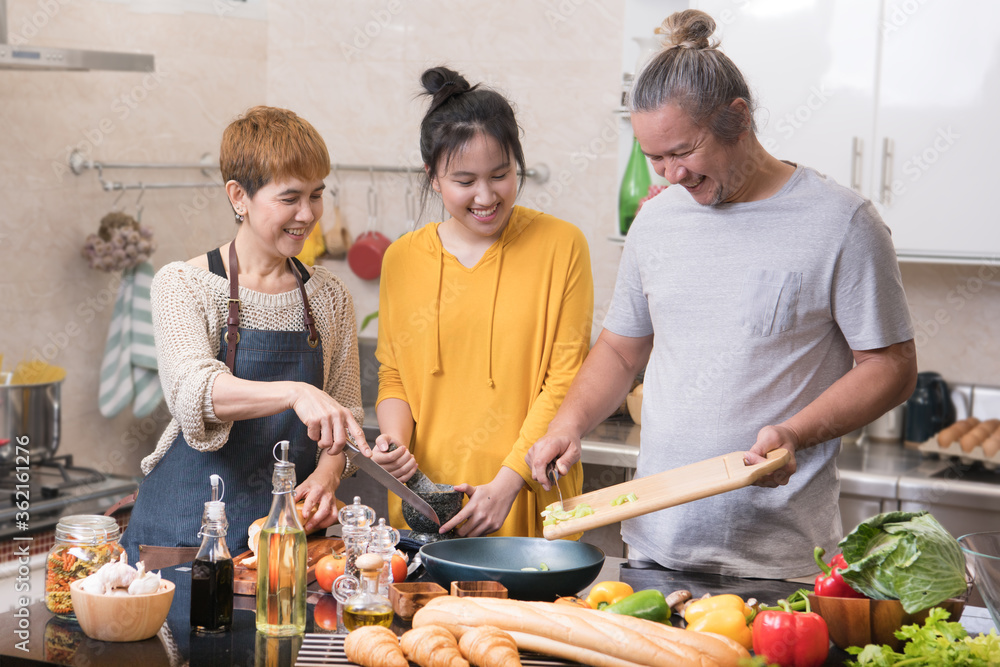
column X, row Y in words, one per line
column 212, row 571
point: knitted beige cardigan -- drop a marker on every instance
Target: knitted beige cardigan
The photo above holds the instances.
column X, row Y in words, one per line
column 190, row 305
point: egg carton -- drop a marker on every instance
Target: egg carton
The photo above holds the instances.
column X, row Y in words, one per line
column 955, row 451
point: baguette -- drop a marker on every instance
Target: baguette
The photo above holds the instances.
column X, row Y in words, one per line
column 545, row 646
column 723, row 650
column 572, row 632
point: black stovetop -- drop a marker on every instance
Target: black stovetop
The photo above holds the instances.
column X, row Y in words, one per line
column 53, row 488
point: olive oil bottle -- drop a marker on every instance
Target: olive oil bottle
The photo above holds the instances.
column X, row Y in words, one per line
column 368, row 606
column 281, row 565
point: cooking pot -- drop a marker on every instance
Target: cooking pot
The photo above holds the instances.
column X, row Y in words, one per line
column 365, row 254
column 29, row 411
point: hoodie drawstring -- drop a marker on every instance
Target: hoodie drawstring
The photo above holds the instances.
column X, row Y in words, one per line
column 436, row 366
column 493, row 310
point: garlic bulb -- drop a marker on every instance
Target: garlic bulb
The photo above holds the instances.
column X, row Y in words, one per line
column 145, row 582
column 93, row 584
column 116, row 574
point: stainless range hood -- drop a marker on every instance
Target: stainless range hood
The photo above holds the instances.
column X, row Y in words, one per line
column 50, row 58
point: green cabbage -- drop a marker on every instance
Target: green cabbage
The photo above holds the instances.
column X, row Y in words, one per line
column 905, row 556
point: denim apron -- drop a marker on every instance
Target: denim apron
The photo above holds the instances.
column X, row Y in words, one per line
column 171, row 499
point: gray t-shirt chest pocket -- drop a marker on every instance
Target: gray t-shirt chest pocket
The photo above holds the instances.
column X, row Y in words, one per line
column 768, row 301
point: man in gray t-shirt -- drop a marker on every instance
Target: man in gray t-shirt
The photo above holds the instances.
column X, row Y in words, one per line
column 768, row 304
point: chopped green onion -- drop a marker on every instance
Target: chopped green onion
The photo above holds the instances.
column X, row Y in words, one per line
column 622, row 499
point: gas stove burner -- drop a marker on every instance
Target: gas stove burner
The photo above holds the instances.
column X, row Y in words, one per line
column 47, row 479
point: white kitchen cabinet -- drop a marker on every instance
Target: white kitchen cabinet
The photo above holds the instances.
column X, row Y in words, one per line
column 812, row 67
column 939, row 91
column 894, row 99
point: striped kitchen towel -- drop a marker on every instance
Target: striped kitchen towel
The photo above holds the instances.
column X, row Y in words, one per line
column 128, row 372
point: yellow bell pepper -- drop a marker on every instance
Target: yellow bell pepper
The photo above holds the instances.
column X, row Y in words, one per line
column 726, row 615
column 699, row 608
column 608, row 592
column 727, row 622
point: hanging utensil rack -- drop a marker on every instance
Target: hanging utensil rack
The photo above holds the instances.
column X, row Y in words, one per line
column 538, row 174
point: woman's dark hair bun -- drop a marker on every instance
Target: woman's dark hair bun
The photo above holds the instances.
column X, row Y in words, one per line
column 442, row 84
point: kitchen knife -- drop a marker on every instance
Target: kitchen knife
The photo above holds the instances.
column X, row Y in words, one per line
column 386, row 479
column 554, row 476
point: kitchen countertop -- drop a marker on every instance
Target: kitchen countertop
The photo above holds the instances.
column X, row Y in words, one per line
column 55, row 641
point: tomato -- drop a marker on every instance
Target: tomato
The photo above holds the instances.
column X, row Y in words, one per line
column 325, row 613
column 328, row 568
column 398, row 567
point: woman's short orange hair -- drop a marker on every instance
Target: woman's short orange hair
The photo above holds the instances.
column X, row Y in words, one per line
column 267, row 144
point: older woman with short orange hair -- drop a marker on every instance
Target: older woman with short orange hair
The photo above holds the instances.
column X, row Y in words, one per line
column 253, row 348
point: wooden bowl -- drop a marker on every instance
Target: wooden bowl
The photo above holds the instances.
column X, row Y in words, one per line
column 860, row 621
column 121, row 618
column 479, row 589
column 408, row 597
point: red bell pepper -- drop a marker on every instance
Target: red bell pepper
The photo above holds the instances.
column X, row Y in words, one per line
column 830, row 584
column 791, row 638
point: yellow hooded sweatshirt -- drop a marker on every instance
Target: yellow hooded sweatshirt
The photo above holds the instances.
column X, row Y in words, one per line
column 484, row 355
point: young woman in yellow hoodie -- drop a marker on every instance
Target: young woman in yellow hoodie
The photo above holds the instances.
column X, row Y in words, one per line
column 484, row 320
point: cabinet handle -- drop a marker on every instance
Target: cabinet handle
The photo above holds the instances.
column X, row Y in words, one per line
column 887, row 157
column 857, row 151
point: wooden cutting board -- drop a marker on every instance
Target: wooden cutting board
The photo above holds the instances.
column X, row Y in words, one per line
column 245, row 579
column 665, row 489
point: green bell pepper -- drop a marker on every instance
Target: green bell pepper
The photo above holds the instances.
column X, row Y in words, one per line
column 649, row 604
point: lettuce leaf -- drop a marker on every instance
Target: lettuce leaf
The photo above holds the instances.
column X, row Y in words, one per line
column 905, row 556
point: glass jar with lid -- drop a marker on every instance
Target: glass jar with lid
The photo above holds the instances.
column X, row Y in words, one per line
column 84, row 542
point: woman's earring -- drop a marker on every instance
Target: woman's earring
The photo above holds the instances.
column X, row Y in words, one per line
column 239, row 216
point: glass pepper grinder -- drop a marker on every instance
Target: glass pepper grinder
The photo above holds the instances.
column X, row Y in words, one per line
column 383, row 542
column 368, row 606
column 212, row 569
column 356, row 525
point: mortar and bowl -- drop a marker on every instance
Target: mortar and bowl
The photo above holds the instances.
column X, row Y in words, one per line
column 446, row 502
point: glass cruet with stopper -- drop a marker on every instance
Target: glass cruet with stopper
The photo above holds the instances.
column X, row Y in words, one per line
column 212, row 569
column 281, row 566
column 356, row 526
column 383, row 542
column 368, row 606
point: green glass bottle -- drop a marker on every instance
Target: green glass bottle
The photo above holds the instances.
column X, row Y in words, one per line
column 635, row 185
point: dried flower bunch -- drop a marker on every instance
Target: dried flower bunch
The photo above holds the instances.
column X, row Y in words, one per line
column 120, row 243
